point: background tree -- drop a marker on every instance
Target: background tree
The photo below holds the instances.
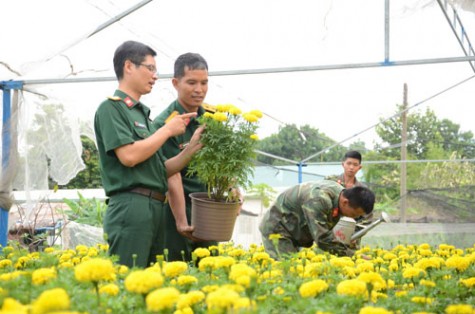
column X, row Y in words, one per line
column 297, row 144
column 89, row 178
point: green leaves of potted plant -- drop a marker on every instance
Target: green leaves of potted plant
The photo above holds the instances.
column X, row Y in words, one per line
column 226, row 160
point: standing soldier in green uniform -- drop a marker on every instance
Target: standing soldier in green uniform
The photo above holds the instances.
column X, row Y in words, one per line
column 306, row 213
column 190, row 80
column 133, row 170
column 351, row 165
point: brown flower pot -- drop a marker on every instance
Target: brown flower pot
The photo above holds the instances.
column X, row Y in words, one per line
column 213, row 221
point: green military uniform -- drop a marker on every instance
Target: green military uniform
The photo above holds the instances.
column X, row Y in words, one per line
column 341, row 180
column 174, row 241
column 133, row 223
column 302, row 215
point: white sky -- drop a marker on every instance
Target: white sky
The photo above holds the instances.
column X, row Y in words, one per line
column 248, row 34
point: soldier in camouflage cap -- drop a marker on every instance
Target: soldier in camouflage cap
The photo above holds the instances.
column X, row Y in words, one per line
column 306, row 213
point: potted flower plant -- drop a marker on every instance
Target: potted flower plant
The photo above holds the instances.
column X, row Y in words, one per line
column 225, row 162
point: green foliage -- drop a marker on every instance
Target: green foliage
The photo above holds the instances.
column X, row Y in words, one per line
column 89, row 178
column 86, row 211
column 227, row 157
column 294, row 143
column 265, row 192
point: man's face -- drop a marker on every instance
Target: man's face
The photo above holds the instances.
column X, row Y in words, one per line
column 348, row 211
column 351, row 166
column 144, row 75
column 192, row 88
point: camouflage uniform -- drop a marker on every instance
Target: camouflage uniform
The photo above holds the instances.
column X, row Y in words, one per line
column 302, row 215
column 341, row 180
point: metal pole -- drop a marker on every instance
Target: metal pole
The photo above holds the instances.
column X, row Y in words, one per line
column 6, row 86
column 386, row 31
column 5, row 156
column 403, row 192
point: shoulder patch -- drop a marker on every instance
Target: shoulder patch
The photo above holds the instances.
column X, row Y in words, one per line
column 209, row 108
column 174, row 113
column 114, row 98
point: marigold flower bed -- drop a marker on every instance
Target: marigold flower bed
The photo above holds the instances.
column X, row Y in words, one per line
column 229, row 279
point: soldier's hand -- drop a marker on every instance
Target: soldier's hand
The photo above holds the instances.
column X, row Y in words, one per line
column 187, row 232
column 195, row 145
column 177, row 125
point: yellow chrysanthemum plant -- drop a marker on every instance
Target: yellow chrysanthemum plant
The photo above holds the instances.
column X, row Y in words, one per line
column 227, row 157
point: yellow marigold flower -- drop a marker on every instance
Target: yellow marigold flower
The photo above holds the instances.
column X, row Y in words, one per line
column 81, row 249
column 411, row 272
column 4, row 263
column 446, row 247
column 202, row 252
column 43, row 275
column 185, row 310
column 21, row 262
column 374, row 279
column 400, row 293
column 278, row 291
column 254, row 137
column 109, row 289
column 237, row 252
column 208, row 115
column 260, row 257
column 92, row 252
column 11, row 305
column 209, row 288
column 161, row 299
column 173, row 269
column 312, row 288
column 186, row 280
column 393, row 266
column 224, row 261
column 142, row 281
column 122, row 269
column 469, row 282
column 242, row 303
column 341, row 262
column 374, row 310
column 427, row 283
column 223, row 107
column 424, row 246
column 103, row 247
column 458, row 262
column 459, row 309
column 249, row 117
column 189, row 299
column 389, row 256
column 425, row 252
column 273, row 273
column 49, row 250
column 234, row 110
column 65, row 257
column 221, row 299
column 257, row 113
column 243, row 280
column 207, row 263
column 51, row 300
column 352, row 287
column 239, row 270
column 364, row 267
column 220, row 117
column 12, row 275
column 422, row 300
column 95, row 270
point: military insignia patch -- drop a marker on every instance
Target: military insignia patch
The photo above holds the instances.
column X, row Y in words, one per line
column 173, row 114
column 139, row 125
column 209, row 108
column 129, row 102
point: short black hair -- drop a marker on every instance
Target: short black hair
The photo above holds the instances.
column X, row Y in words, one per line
column 360, row 197
column 193, row 61
column 133, row 51
column 353, row 154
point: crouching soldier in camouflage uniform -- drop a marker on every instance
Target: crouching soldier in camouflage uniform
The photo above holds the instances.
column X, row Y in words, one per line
column 306, row 213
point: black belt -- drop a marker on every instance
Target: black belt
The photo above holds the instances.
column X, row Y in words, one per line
column 149, row 193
